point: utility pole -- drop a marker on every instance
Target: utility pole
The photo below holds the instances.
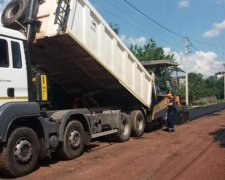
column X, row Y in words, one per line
column 186, row 70
column 224, row 76
column 224, row 80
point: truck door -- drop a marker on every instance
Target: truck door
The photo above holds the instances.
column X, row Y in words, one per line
column 13, row 72
column 6, row 73
column 19, row 71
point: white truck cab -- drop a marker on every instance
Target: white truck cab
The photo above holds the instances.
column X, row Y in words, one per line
column 13, row 68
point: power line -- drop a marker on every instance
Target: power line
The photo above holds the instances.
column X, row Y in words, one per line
column 176, row 45
column 161, row 27
column 120, row 6
column 196, row 15
column 123, row 7
column 140, row 29
column 122, row 19
column 153, row 20
column 167, row 29
column 105, row 9
column 189, row 18
column 203, row 55
column 209, row 44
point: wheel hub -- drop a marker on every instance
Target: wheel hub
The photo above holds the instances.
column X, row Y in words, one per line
column 140, row 124
column 125, row 128
column 74, row 139
column 23, row 151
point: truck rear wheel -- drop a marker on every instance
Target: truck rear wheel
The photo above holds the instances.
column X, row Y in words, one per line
column 73, row 142
column 124, row 132
column 137, row 123
column 20, row 153
column 14, row 11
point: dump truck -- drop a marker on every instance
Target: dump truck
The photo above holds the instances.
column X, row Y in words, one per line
column 66, row 78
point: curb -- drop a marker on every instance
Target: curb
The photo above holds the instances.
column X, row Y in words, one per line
column 191, row 114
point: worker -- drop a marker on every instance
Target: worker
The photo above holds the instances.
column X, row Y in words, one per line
column 169, row 94
column 170, row 113
column 177, row 99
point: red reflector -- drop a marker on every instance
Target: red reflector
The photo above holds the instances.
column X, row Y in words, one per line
column 59, row 121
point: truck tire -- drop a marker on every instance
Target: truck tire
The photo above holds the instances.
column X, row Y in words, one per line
column 14, row 11
column 124, row 133
column 137, row 123
column 20, row 153
column 73, row 141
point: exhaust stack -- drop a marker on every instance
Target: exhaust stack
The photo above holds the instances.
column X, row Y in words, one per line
column 31, row 22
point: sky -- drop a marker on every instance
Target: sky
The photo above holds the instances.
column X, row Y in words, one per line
column 202, row 21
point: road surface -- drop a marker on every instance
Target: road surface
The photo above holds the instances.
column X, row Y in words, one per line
column 193, row 151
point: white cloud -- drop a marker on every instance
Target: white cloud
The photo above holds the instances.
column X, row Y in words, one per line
column 183, row 3
column 216, row 30
column 206, row 66
column 177, row 56
column 220, row 2
column 140, row 42
column 197, row 63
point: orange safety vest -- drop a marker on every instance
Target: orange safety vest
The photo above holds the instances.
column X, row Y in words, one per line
column 177, row 100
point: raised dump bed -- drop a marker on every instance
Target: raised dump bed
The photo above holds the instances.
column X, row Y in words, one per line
column 88, row 58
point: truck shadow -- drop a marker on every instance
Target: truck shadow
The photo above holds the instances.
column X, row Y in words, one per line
column 41, row 163
column 219, row 136
column 150, row 127
column 55, row 158
column 95, row 147
column 215, row 114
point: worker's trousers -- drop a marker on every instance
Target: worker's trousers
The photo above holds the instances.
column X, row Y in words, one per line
column 170, row 119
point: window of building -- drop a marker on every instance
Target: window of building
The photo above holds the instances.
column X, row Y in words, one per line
column 4, row 62
column 16, row 54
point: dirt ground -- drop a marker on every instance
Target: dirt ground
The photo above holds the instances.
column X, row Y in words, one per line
column 192, row 152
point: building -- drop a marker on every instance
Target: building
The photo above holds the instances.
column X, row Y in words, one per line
column 218, row 75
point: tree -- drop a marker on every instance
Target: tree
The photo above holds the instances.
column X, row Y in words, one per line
column 151, row 52
column 211, row 87
column 196, row 86
column 181, row 92
column 115, row 28
column 220, row 87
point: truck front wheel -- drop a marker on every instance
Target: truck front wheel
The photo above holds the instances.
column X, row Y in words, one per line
column 20, row 153
column 137, row 123
column 73, row 142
